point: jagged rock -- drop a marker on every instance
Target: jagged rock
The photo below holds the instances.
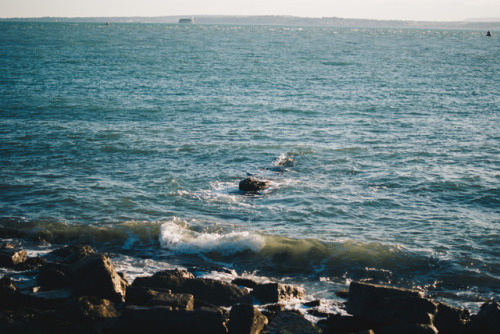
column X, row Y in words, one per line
column 89, row 314
column 211, row 291
column 92, row 309
column 94, row 275
column 487, row 320
column 244, row 282
column 365, row 296
column 276, row 292
column 162, row 319
column 54, row 276
column 147, row 297
column 450, row 320
column 31, row 263
column 246, row 319
column 250, row 184
column 291, row 322
column 10, row 257
column 176, row 273
column 383, row 305
column 407, row 328
column 70, row 254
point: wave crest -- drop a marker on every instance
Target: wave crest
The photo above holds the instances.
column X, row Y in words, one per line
column 180, row 238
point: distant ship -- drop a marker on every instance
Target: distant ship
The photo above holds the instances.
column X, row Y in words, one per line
column 189, row 20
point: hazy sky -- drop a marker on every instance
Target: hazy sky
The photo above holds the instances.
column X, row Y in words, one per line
column 431, row 10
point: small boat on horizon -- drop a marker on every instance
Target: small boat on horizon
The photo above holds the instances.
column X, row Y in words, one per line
column 188, row 20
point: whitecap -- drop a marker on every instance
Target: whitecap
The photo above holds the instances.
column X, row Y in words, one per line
column 180, row 238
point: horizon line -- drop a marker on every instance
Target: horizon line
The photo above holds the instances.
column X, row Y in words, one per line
column 470, row 20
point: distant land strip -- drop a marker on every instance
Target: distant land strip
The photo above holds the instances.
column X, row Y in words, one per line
column 494, row 24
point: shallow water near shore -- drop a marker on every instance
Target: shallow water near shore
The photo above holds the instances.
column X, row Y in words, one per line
column 133, row 138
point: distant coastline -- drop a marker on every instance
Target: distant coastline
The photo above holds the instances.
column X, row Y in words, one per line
column 280, row 20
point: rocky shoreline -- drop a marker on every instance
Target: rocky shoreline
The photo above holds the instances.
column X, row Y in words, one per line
column 77, row 290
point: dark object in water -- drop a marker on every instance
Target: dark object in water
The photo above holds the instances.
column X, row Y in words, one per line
column 250, row 184
column 488, row 33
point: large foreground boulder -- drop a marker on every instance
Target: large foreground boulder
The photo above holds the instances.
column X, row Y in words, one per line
column 162, row 319
column 94, row 275
column 384, row 306
column 210, row 291
column 487, row 320
column 451, row 320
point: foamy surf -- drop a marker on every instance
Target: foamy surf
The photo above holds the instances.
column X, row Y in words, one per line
column 179, row 238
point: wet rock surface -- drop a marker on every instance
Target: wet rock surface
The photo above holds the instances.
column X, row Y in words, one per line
column 79, row 291
column 250, row 184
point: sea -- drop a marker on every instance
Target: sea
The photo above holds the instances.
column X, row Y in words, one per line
column 381, row 148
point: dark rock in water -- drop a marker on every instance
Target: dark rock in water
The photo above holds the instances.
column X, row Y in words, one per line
column 70, row 254
column 318, row 313
column 487, row 320
column 244, row 282
column 54, row 276
column 250, row 184
column 146, row 297
column 95, row 275
column 276, row 292
column 10, row 257
column 287, row 162
column 291, row 322
column 313, row 303
column 162, row 319
column 245, row 318
column 383, row 305
column 451, row 320
column 214, row 292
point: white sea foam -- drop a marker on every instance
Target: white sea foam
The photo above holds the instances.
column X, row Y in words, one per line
column 180, row 238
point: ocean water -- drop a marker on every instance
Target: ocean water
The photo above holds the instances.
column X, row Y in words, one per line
column 133, row 138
